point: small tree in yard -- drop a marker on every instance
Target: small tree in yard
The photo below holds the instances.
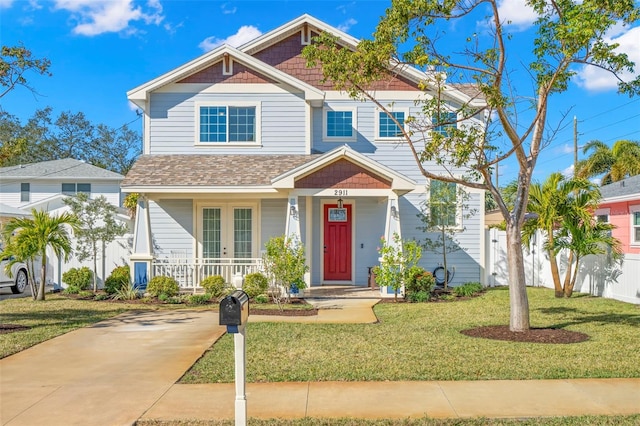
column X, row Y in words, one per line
column 98, row 227
column 441, row 214
column 27, row 239
column 514, row 112
column 396, row 262
column 285, row 263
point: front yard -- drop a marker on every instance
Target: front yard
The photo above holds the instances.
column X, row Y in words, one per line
column 423, row 342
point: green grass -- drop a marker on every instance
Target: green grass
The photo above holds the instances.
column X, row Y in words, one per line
column 423, row 342
column 50, row 318
column 551, row 421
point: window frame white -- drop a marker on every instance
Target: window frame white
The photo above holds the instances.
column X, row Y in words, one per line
column 459, row 226
column 377, row 136
column 632, row 227
column 603, row 212
column 75, row 188
column 354, row 124
column 241, row 104
column 25, row 194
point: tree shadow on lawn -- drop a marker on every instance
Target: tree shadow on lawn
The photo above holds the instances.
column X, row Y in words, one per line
column 582, row 317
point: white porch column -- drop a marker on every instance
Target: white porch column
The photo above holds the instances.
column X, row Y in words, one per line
column 292, row 229
column 140, row 259
column 392, row 225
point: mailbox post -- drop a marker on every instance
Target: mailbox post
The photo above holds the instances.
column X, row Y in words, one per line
column 234, row 313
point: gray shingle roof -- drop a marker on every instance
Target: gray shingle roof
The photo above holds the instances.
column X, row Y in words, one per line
column 211, row 170
column 624, row 187
column 55, row 169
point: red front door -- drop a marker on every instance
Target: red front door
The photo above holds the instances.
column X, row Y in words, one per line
column 337, row 242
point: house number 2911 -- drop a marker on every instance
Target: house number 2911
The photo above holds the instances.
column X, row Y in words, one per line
column 340, row 192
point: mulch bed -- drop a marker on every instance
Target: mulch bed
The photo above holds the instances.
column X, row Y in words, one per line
column 11, row 328
column 533, row 335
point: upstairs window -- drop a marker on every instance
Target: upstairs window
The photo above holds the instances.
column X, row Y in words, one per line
column 25, row 192
column 444, row 121
column 387, row 128
column 74, row 188
column 227, row 124
column 340, row 125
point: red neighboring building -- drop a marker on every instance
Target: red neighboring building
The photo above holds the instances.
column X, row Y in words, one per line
column 620, row 206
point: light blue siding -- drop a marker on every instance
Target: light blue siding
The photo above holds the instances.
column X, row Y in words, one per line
column 172, row 227
column 173, row 119
column 273, row 221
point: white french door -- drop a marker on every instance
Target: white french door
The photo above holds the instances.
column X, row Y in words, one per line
column 228, row 231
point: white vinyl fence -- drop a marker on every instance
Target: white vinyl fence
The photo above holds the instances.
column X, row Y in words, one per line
column 598, row 275
column 116, row 254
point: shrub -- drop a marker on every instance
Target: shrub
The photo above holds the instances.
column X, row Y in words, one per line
column 119, row 278
column 126, row 293
column 163, row 285
column 419, row 296
column 71, row 290
column 86, row 294
column 214, row 285
column 101, row 296
column 261, row 298
column 81, row 278
column 255, row 284
column 468, row 289
column 198, row 299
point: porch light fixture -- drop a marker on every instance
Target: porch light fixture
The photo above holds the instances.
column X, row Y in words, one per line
column 292, row 210
column 394, row 212
column 339, row 203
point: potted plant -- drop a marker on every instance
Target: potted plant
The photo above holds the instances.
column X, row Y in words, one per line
column 285, row 264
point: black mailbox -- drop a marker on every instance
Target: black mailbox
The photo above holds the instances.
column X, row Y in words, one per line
column 234, row 309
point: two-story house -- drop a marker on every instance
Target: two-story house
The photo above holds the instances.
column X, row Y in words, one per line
column 243, row 144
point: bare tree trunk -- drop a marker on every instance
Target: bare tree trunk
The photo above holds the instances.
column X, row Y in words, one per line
column 567, row 276
column 568, row 289
column 444, row 259
column 43, row 276
column 555, row 273
column 95, row 272
column 518, row 299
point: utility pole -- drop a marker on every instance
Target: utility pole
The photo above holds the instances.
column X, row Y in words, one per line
column 575, row 146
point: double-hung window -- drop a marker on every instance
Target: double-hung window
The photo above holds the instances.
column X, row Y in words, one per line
column 444, row 208
column 387, row 128
column 74, row 188
column 25, row 192
column 340, row 124
column 443, row 122
column 219, row 124
column 635, row 225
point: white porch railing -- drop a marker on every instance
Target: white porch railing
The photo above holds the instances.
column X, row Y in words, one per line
column 189, row 271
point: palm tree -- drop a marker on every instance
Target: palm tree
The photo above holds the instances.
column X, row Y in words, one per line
column 28, row 238
column 554, row 201
column 616, row 163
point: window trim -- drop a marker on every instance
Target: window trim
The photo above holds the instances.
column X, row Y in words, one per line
column 459, row 226
column 632, row 228
column 379, row 111
column 354, row 125
column 227, row 104
column 227, row 218
column 603, row 212
column 25, row 193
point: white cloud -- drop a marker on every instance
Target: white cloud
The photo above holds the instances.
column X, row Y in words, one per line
column 346, row 25
column 245, row 34
column 568, row 172
column 227, row 10
column 596, row 79
column 96, row 17
column 5, row 4
column 516, row 13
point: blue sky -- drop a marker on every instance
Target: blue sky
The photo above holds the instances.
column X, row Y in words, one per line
column 100, row 49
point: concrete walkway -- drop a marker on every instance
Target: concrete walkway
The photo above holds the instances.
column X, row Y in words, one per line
column 125, row 368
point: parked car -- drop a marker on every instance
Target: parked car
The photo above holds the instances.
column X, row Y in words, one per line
column 17, row 280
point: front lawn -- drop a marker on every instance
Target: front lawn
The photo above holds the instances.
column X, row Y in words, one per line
column 423, row 342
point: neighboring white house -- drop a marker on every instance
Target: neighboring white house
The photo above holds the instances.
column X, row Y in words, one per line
column 244, row 144
column 44, row 185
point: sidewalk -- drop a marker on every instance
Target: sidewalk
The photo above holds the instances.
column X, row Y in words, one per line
column 125, row 368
